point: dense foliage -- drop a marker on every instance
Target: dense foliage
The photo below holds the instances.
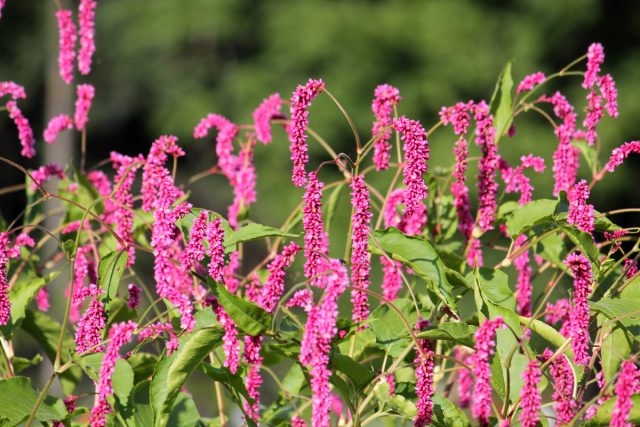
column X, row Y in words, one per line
column 546, row 335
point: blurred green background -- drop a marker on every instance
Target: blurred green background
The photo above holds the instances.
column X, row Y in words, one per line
column 161, row 65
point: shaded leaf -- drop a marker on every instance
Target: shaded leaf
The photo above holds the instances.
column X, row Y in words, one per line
column 537, row 212
column 18, row 400
column 110, row 271
column 460, row 333
column 397, row 402
column 446, row 414
column 249, row 317
column 252, row 231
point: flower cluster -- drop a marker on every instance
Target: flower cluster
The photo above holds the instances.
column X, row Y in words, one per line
column 485, row 342
column 386, row 97
column 360, row 257
column 579, row 317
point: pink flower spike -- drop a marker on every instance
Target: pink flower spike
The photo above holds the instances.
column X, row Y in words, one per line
column 57, row 125
column 215, row 237
column 360, row 256
column 385, row 98
column 487, row 167
column 25, row 133
column 195, row 251
column 595, row 112
column 424, row 365
column 610, row 93
column 416, row 154
column 595, row 58
column 579, row 315
column 85, row 94
column 67, row 44
column 269, row 109
column 619, row 154
column 119, row 335
column 530, row 82
column 42, row 300
column 316, row 244
column 392, row 279
column 5, row 304
column 90, row 328
column 581, row 214
column 86, row 21
column 274, row 286
column 231, row 347
column 530, row 399
column 626, row 386
column 227, row 131
column 485, row 343
column 296, row 421
column 302, row 298
column 562, row 376
column 45, row 173
column 14, row 90
column 300, row 103
column 465, row 380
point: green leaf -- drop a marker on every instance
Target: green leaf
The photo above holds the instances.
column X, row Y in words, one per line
column 624, row 310
column 252, row 231
column 294, row 381
column 358, row 374
column 143, row 365
column 460, row 333
column 122, row 381
column 537, row 212
column 387, row 325
column 110, row 271
column 223, row 375
column 446, row 414
column 22, row 363
column 585, row 243
column 172, row 372
column 494, row 285
column 552, row 249
column 632, row 289
column 20, row 296
column 247, row 316
column 603, row 416
column 143, row 413
column 419, row 255
column 397, row 402
column 184, row 412
column 616, row 347
column 46, row 332
column 501, row 102
column 18, row 400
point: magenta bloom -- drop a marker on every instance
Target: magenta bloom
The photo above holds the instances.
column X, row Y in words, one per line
column 42, row 300
column 229, row 278
column 385, row 98
column 595, row 112
column 67, row 44
column 392, row 279
column 619, row 154
column 25, row 133
column 227, row 131
column 424, row 380
column 215, row 237
column 531, row 81
column 85, row 94
column 5, row 304
column 579, row 316
column 630, row 268
column 230, row 347
column 610, row 93
column 517, row 181
column 86, row 21
column 360, row 257
column 269, row 109
column 485, row 342
column 14, row 90
column 45, row 173
column 487, row 186
column 530, row 399
column 296, row 421
column 119, row 335
column 155, row 330
column 134, row 296
column 274, row 286
column 316, row 343
column 126, row 168
column 523, row 285
column 581, row 214
column 194, row 251
column 253, row 380
column 626, row 386
column 302, row 298
column 595, row 58
column 316, row 245
column 562, row 375
column 416, row 155
column 90, row 327
column 56, row 125
column 465, row 380
column 300, row 103
column 559, row 313
column 243, row 182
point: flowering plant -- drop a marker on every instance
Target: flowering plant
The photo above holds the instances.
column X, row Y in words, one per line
column 546, row 334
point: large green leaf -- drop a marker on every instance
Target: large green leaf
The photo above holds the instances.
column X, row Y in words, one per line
column 18, row 400
column 446, row 414
column 585, row 243
column 603, row 416
column 252, row 231
column 460, row 333
column 122, row 381
column 172, row 372
column 247, row 316
column 390, row 331
column 46, row 332
column 20, row 296
column 110, row 270
column 396, row 403
column 501, row 102
column 624, row 310
column 357, row 373
column 616, row 347
column 419, row 255
column 537, row 212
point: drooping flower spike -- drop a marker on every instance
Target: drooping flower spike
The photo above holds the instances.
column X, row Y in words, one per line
column 530, row 82
column 579, row 315
column 360, row 256
column 619, row 154
column 316, row 243
column 274, row 286
column 56, row 125
column 385, row 98
column 86, row 21
column 25, row 133
column 562, row 375
column 300, row 103
column 5, row 304
column 269, row 109
column 85, row 94
column 485, row 338
column 67, row 44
